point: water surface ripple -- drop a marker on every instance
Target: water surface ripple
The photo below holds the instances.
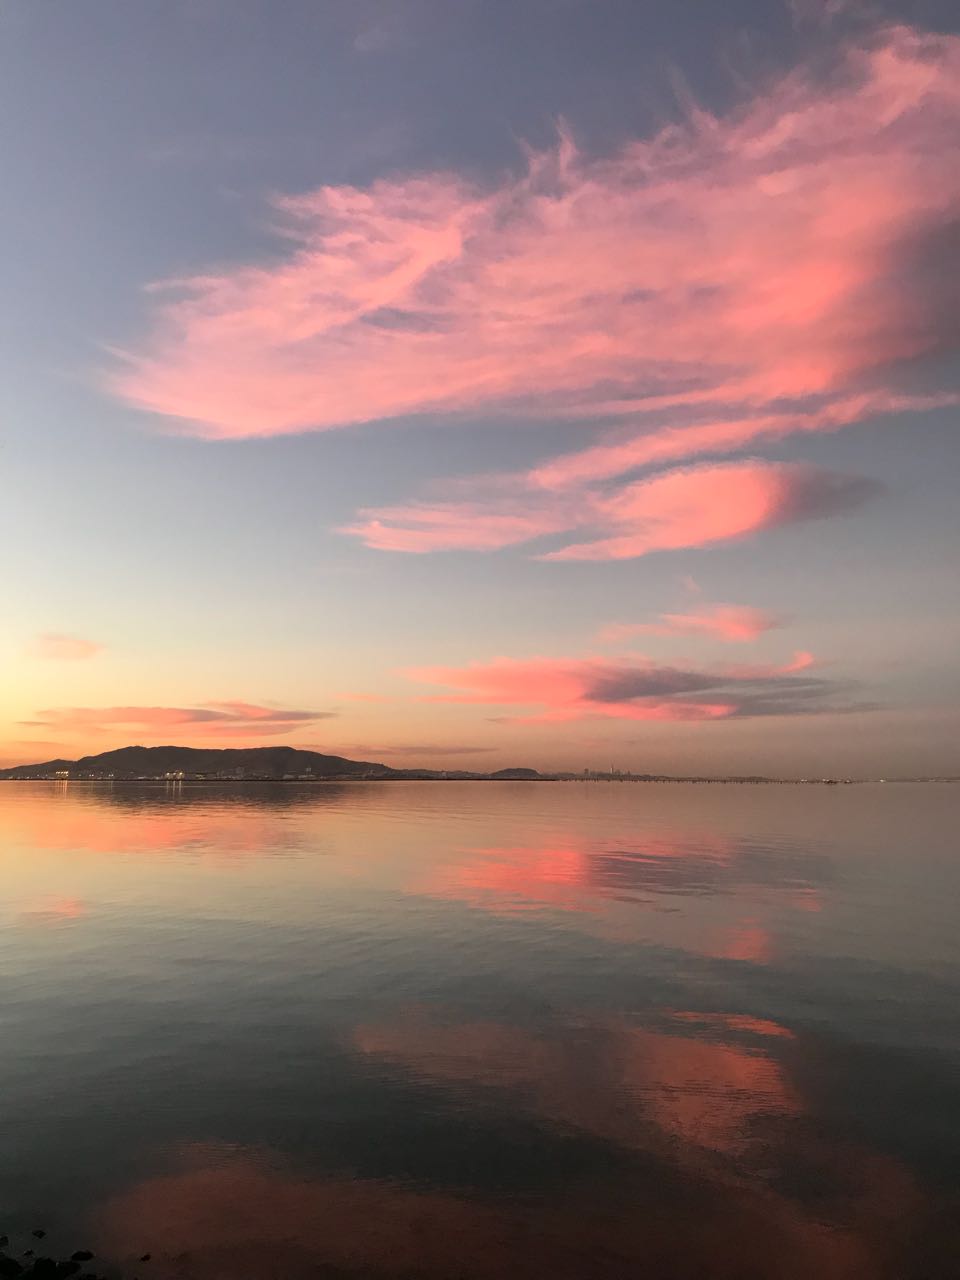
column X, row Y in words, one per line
column 484, row 1030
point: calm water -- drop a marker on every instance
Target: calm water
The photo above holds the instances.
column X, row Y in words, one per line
column 484, row 1030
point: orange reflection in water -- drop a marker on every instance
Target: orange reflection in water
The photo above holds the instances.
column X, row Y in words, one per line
column 79, row 820
column 53, row 910
column 746, row 941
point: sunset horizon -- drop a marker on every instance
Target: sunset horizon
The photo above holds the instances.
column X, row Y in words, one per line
column 614, row 426
column 480, row 726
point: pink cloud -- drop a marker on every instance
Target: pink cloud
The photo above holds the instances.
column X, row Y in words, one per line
column 686, row 507
column 800, row 661
column 693, row 507
column 719, row 436
column 217, row 719
column 561, row 691
column 728, row 278
column 467, row 526
column 59, row 646
column 729, row 622
column 636, row 688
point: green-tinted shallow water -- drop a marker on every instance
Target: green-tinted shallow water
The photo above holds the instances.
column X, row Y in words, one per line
column 484, row 1030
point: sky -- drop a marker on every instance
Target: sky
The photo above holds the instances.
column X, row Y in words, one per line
column 477, row 383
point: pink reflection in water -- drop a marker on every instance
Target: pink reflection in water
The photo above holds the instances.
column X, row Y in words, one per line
column 246, row 1215
column 696, row 891
column 575, row 872
column 626, row 1083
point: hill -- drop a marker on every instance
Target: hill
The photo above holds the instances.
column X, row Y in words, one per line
column 230, row 762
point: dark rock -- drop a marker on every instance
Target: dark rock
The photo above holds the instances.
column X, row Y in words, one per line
column 39, row 1233
column 9, row 1267
column 82, row 1255
column 128, row 763
column 145, row 1258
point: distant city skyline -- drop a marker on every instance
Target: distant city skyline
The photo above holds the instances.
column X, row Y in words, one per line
column 570, row 383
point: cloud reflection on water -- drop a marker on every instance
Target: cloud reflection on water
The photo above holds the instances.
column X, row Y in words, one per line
column 570, row 871
column 244, row 1216
column 676, row 1089
column 706, row 894
column 653, row 1089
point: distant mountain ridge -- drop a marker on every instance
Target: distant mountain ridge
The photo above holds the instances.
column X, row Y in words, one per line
column 258, row 762
column 251, row 764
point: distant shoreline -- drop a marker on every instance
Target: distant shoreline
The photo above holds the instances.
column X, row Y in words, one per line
column 217, row 766
column 412, row 776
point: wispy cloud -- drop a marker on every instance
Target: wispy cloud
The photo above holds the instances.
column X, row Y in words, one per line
column 636, row 688
column 384, row 26
column 216, row 719
column 653, row 448
column 487, row 523
column 731, row 279
column 696, row 506
column 685, row 507
column 60, row 646
column 729, row 622
column 822, row 12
